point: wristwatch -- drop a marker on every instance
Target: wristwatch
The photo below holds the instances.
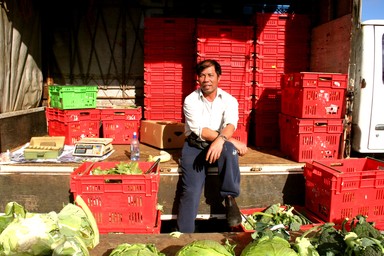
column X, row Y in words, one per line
column 223, row 136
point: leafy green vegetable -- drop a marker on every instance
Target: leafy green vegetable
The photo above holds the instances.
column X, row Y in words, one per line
column 206, row 248
column 70, row 246
column 138, row 249
column 273, row 215
column 269, row 246
column 121, row 168
column 74, row 221
column 70, row 232
column 32, row 235
column 330, row 240
column 363, row 228
column 12, row 210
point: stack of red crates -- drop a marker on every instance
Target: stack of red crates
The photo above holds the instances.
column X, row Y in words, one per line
column 168, row 66
column 282, row 46
column 232, row 46
column 310, row 121
column 72, row 112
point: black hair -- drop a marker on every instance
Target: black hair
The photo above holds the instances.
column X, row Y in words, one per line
column 208, row 63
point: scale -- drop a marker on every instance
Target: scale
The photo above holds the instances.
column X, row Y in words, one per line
column 93, row 147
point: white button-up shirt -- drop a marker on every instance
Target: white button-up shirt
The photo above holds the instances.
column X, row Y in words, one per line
column 200, row 113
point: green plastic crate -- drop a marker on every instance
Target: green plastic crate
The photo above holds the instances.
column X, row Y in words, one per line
column 73, row 96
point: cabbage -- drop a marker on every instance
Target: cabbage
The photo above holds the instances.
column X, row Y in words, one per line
column 266, row 246
column 32, row 235
column 70, row 246
column 12, row 210
column 206, row 247
column 137, row 249
column 76, row 221
column 70, row 232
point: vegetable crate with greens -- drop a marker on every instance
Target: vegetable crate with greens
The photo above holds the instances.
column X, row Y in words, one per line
column 121, row 195
column 344, row 188
column 293, row 218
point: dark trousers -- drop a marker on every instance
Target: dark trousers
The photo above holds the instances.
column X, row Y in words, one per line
column 194, row 170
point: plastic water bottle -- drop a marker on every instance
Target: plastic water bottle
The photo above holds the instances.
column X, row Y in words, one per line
column 135, row 148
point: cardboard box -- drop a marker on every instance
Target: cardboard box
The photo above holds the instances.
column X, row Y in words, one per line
column 162, row 134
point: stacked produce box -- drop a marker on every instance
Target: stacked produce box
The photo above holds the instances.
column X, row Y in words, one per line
column 232, row 46
column 73, row 114
column 168, row 66
column 282, row 46
column 311, row 120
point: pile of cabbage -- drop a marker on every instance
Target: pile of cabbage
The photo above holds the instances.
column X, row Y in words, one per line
column 72, row 231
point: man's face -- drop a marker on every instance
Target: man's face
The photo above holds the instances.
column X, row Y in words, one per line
column 208, row 80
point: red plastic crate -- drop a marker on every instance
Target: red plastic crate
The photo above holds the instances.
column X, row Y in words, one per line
column 228, row 62
column 271, row 19
column 213, row 46
column 128, row 114
column 307, row 139
column 225, row 32
column 270, row 78
column 341, row 188
column 237, row 75
column 316, row 80
column 270, row 49
column 313, row 103
column 120, row 203
column 121, row 131
column 267, row 99
column 267, row 64
column 74, row 131
column 313, row 95
column 266, row 129
column 72, row 115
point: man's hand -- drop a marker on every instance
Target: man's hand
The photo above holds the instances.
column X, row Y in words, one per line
column 214, row 150
column 240, row 146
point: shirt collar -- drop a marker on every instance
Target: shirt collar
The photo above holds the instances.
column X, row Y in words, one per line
column 219, row 92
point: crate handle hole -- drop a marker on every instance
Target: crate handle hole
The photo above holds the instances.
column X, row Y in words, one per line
column 113, row 181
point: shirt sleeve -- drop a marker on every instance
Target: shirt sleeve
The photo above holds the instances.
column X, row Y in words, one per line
column 231, row 114
column 191, row 114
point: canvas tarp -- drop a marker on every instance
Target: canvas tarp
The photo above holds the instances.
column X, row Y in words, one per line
column 21, row 78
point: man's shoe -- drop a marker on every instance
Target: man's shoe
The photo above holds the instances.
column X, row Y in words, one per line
column 233, row 213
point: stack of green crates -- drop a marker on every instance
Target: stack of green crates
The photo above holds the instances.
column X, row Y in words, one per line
column 73, row 96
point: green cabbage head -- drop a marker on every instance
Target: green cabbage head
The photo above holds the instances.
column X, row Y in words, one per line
column 266, row 246
column 32, row 235
column 206, row 248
